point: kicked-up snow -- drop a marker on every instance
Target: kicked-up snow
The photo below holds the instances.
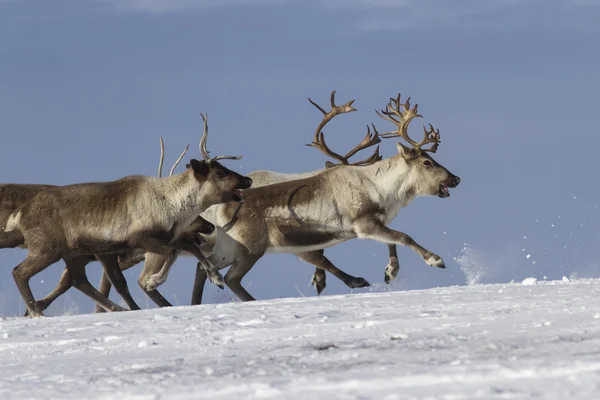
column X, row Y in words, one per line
column 510, row 341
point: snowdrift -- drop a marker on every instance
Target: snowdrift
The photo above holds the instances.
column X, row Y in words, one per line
column 485, row 341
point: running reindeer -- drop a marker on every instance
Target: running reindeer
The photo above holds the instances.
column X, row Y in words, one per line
column 304, row 216
column 103, row 219
column 14, row 195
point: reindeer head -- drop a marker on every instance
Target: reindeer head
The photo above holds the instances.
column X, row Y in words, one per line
column 219, row 184
column 429, row 177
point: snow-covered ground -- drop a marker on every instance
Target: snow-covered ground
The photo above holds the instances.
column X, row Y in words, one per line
column 510, row 341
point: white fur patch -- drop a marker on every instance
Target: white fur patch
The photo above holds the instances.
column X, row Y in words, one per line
column 435, row 261
column 12, row 222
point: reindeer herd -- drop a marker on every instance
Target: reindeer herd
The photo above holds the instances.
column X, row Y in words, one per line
column 222, row 218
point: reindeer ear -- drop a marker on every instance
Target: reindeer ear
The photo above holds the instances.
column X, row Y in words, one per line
column 199, row 167
column 407, row 152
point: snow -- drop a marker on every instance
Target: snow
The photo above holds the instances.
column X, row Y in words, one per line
column 509, row 341
column 529, row 281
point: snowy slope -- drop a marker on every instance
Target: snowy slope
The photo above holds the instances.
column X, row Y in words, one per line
column 488, row 341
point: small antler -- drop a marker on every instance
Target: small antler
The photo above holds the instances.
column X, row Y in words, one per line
column 203, row 151
column 319, row 140
column 162, row 158
column 179, row 160
column 405, row 114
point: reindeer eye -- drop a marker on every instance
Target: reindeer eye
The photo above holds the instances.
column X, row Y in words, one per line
column 220, row 174
column 427, row 163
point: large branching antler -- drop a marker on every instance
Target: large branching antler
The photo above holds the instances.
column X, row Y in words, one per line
column 203, row 151
column 319, row 140
column 162, row 158
column 401, row 115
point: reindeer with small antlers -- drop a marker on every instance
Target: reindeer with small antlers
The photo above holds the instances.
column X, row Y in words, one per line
column 76, row 221
column 305, row 215
column 190, row 239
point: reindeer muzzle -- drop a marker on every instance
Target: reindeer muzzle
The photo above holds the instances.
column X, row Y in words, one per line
column 245, row 183
column 206, row 229
column 451, row 182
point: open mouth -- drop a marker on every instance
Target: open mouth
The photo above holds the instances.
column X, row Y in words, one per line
column 238, row 196
column 207, row 229
column 443, row 191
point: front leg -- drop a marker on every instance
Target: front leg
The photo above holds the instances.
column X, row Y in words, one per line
column 189, row 244
column 199, row 282
column 375, row 230
column 391, row 270
column 152, row 245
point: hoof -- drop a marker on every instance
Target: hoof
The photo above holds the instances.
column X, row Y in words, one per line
column 391, row 270
column 99, row 309
column 216, row 278
column 435, row 261
column 358, row 283
column 36, row 314
column 153, row 282
column 319, row 281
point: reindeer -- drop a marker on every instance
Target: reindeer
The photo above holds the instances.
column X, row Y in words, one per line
column 76, row 221
column 13, row 196
column 309, row 214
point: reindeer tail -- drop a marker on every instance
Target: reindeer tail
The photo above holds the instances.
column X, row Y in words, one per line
column 13, row 221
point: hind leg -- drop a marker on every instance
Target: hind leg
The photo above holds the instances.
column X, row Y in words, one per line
column 64, row 284
column 318, row 259
column 110, row 263
column 239, row 268
column 33, row 264
column 76, row 268
column 104, row 288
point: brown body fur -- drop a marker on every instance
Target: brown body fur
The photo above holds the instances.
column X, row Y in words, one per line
column 105, row 218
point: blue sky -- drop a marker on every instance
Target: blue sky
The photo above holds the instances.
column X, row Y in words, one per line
column 87, row 88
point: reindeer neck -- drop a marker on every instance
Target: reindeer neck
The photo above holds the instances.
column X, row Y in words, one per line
column 394, row 187
column 180, row 192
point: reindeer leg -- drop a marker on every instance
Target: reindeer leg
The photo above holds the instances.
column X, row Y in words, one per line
column 199, row 282
column 242, row 263
column 381, row 233
column 127, row 260
column 152, row 266
column 22, row 273
column 76, row 268
column 318, row 259
column 157, row 247
column 110, row 263
column 391, row 270
column 319, row 280
column 64, row 284
column 213, row 274
column 104, row 288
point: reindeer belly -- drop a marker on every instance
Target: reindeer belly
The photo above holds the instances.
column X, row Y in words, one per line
column 291, row 239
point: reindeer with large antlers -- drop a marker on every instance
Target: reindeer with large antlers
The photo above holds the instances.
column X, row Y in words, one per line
column 304, row 216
